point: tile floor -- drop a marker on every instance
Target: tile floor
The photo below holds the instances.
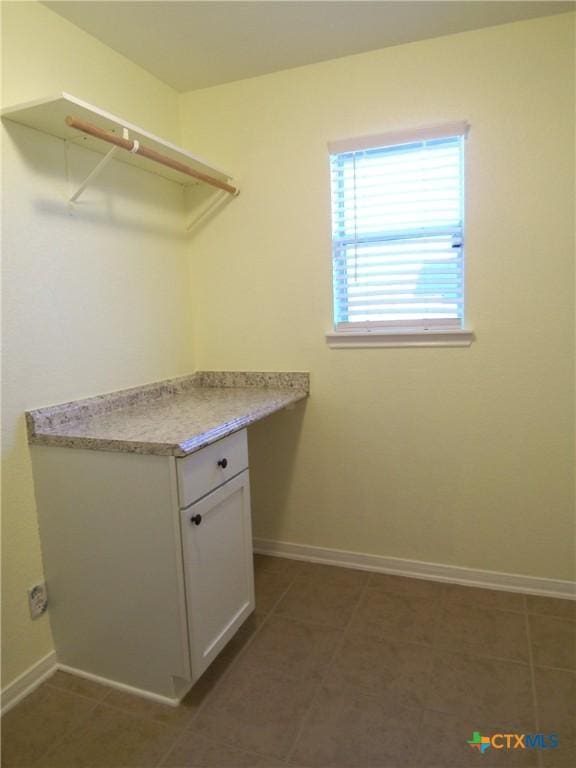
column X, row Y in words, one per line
column 340, row 669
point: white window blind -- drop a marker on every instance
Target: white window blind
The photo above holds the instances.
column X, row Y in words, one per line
column 397, row 233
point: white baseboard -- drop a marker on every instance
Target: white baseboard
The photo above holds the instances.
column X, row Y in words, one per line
column 120, row 686
column 28, row 681
column 509, row 582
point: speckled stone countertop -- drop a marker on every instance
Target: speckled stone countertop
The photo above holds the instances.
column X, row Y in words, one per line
column 174, row 417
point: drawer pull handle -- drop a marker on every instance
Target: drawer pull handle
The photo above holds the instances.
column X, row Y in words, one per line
column 196, row 519
column 223, row 463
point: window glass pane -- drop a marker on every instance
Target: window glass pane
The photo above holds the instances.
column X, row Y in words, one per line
column 397, row 227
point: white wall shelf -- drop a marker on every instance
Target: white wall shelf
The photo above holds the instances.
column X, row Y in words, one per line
column 49, row 116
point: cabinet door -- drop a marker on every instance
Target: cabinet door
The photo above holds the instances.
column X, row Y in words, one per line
column 217, row 550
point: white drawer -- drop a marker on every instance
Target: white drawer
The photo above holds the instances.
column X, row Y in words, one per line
column 209, row 467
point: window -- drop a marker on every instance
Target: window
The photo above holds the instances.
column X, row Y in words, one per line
column 398, row 234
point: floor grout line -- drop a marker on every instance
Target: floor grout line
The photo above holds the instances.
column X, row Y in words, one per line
column 532, row 676
column 69, row 731
column 170, row 749
column 306, row 716
column 226, row 673
column 568, row 670
column 428, row 685
column 241, row 653
column 139, row 716
column 215, row 742
column 75, row 693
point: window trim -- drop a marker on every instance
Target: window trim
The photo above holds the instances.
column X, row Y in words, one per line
column 389, row 139
column 457, row 337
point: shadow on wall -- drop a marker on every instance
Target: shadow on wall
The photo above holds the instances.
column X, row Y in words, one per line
column 124, row 197
column 109, row 216
column 273, row 445
column 204, row 203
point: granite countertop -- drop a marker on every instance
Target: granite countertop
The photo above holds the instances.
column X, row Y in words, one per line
column 174, row 417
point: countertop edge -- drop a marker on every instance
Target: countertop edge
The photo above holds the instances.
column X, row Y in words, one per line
column 195, row 444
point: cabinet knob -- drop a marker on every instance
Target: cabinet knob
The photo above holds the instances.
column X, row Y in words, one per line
column 223, row 463
column 196, row 519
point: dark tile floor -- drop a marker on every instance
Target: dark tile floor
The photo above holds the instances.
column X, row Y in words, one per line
column 340, row 669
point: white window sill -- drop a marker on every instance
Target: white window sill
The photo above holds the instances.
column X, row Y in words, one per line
column 354, row 339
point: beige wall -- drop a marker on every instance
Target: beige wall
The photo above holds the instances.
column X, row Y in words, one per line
column 94, row 299
column 43, row 54
column 454, row 456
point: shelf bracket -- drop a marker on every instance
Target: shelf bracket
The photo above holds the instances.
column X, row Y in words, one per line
column 213, row 204
column 97, row 170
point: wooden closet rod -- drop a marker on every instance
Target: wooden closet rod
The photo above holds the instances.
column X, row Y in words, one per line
column 151, row 154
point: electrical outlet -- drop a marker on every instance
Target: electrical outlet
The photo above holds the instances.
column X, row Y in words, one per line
column 37, row 600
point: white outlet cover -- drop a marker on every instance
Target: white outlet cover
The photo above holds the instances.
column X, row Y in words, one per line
column 37, row 600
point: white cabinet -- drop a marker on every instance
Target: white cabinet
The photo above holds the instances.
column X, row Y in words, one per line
column 214, row 495
column 217, row 549
column 141, row 596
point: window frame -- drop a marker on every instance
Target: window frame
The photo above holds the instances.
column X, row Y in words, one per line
column 374, row 333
